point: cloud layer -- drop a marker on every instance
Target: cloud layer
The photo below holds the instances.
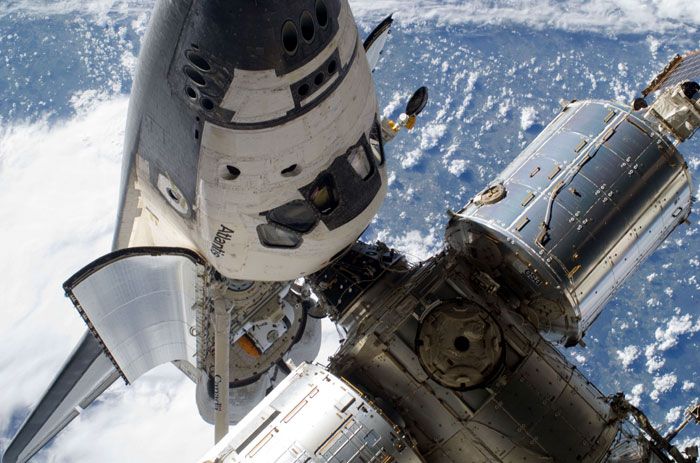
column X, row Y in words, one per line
column 59, row 186
column 608, row 16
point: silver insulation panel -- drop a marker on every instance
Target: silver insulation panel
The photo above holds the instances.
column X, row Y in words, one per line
column 575, row 213
column 140, row 305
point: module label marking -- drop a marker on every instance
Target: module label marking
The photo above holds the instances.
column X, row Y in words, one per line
column 223, row 235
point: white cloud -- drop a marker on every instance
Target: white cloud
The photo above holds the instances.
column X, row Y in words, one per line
column 635, row 395
column 666, row 338
column 431, row 135
column 413, row 243
column 457, row 167
column 654, row 362
column 59, row 186
column 396, row 100
column 609, row 16
column 473, row 76
column 622, row 69
column 141, row 422
column 505, row 107
column 411, row 158
column 662, row 384
column 628, row 355
column 654, row 45
column 528, row 117
column 673, row 414
column 100, row 10
column 677, row 326
column 688, row 385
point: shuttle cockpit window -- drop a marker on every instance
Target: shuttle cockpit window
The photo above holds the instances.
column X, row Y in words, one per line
column 297, row 215
column 324, row 196
column 275, row 236
column 359, row 159
column 375, row 142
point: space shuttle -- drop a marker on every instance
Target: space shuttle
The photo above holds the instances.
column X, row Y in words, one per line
column 254, row 159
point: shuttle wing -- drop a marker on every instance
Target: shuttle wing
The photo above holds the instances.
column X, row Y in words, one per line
column 86, row 374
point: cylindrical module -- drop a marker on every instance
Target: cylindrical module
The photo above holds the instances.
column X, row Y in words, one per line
column 575, row 213
column 314, row 416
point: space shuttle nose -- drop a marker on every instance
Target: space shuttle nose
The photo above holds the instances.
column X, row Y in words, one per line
column 221, row 37
column 254, row 129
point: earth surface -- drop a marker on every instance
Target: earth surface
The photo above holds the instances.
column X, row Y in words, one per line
column 496, row 72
